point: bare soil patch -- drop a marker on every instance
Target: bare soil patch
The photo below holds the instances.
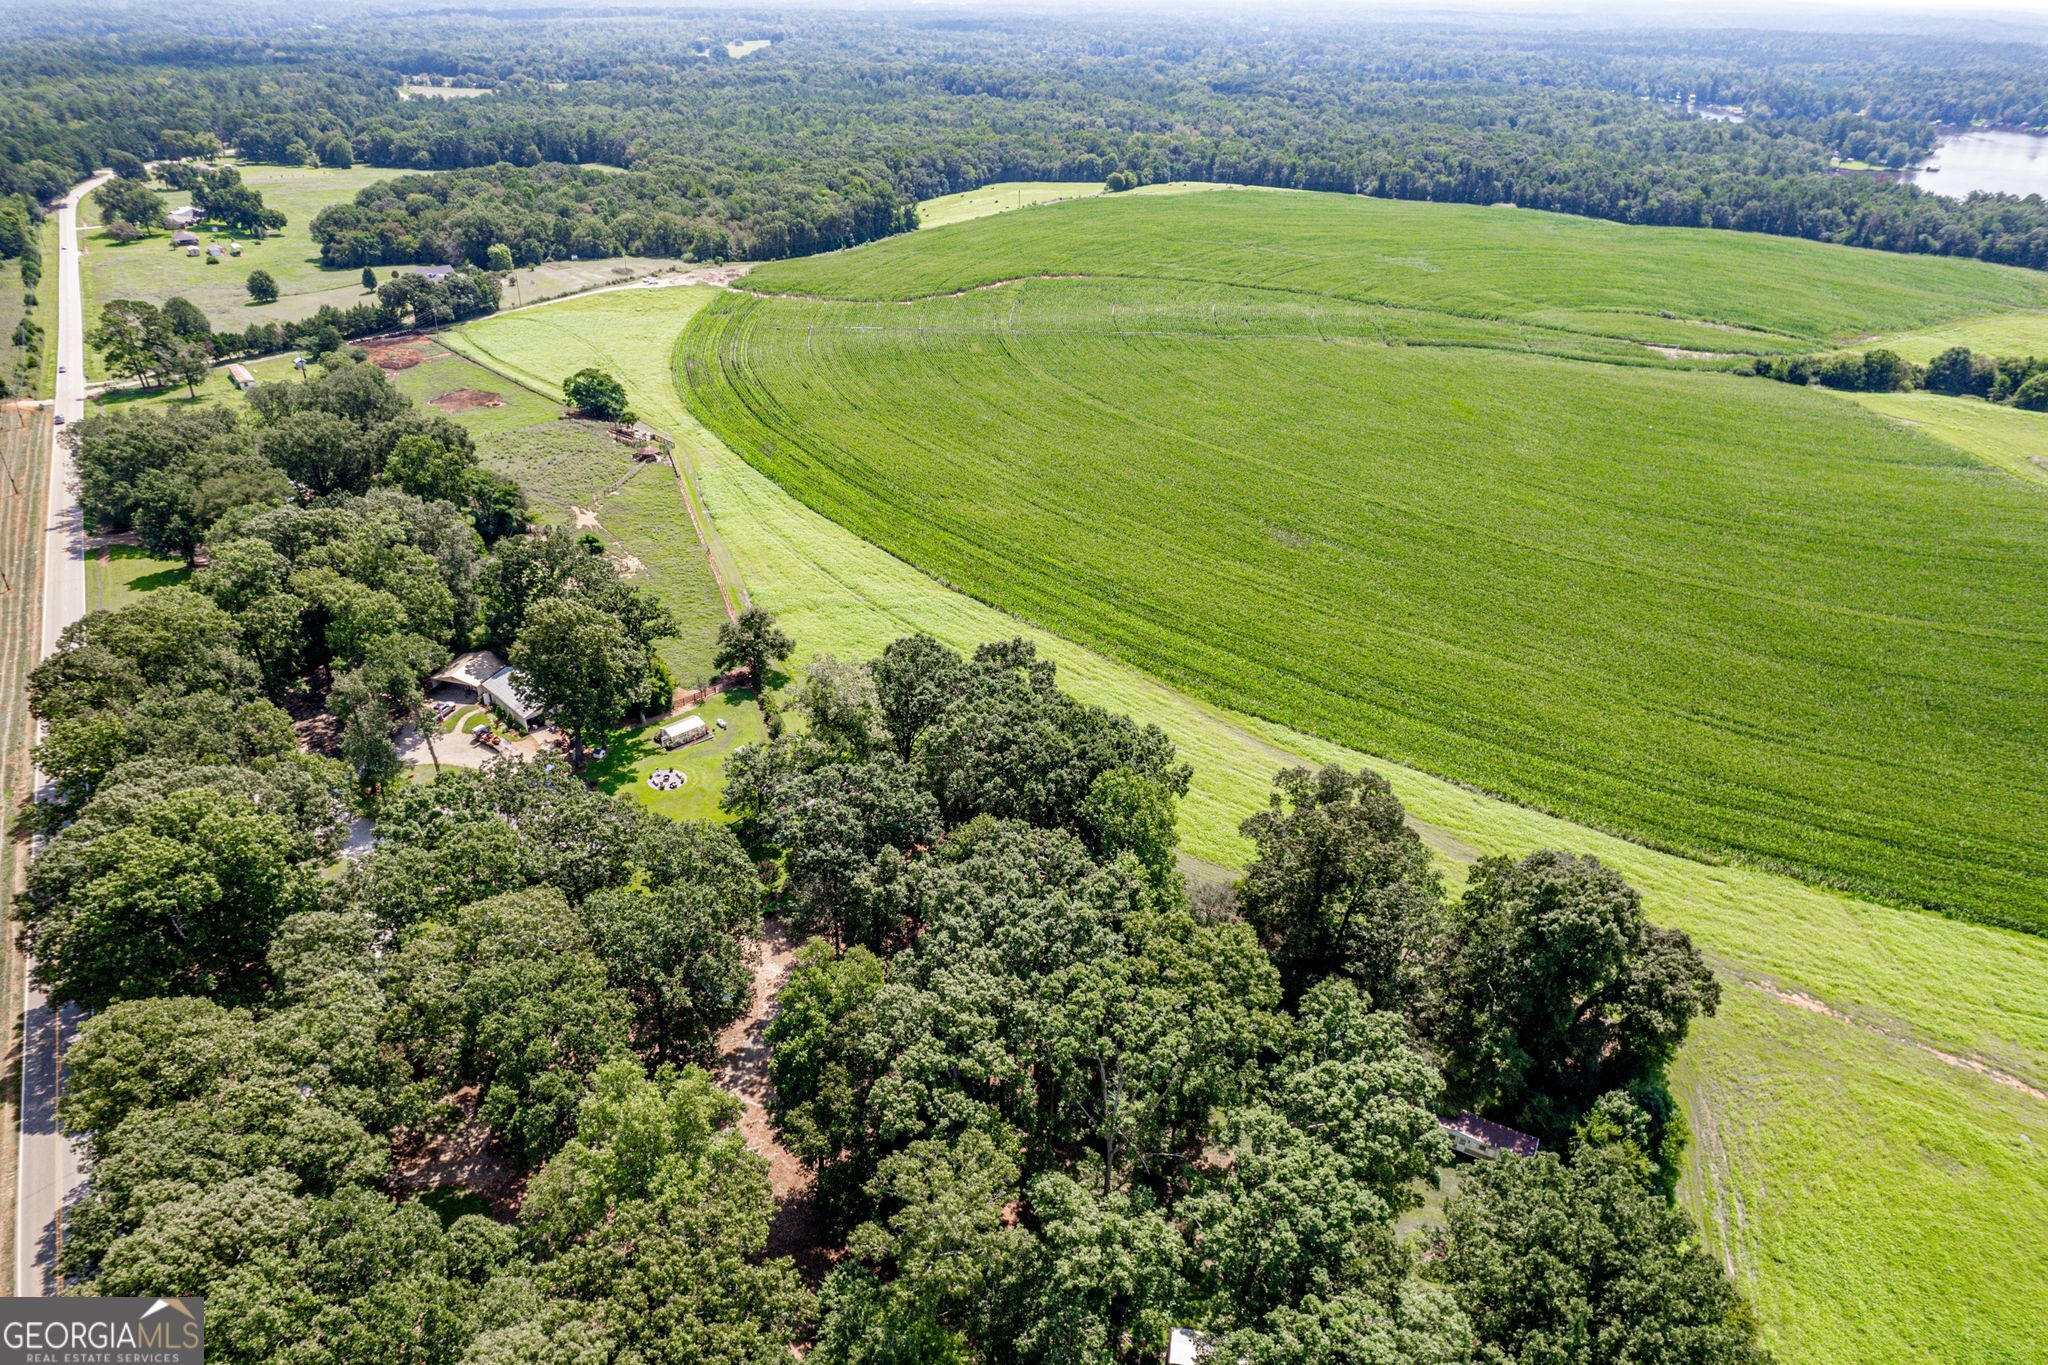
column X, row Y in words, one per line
column 402, row 351
column 462, row 400
column 742, row 1069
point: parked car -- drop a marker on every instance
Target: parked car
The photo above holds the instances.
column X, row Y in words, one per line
column 58, row 420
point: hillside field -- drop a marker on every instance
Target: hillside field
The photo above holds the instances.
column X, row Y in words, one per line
column 1339, row 463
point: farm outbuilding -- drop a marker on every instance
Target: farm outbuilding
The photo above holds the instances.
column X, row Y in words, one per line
column 1485, row 1140
column 184, row 216
column 239, row 376
column 506, row 691
column 469, row 672
column 688, row 730
column 184, row 239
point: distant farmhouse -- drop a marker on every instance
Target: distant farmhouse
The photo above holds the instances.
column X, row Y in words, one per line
column 184, row 217
column 434, row 272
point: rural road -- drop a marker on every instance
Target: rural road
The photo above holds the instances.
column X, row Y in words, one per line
column 52, row 1171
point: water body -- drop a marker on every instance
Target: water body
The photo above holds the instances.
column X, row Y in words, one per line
column 1987, row 159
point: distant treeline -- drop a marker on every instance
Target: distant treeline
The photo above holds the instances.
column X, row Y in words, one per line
column 824, row 138
column 1960, row 372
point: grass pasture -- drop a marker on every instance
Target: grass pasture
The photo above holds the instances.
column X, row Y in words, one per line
column 1002, row 197
column 2000, row 334
column 2011, row 438
column 151, row 269
column 645, row 518
column 1728, row 618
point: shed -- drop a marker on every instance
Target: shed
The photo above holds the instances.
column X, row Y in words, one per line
column 470, row 672
column 184, row 239
column 650, row 451
column 239, row 376
column 688, row 730
column 506, row 690
column 1487, row 1141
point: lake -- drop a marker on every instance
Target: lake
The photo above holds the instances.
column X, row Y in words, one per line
column 1987, row 159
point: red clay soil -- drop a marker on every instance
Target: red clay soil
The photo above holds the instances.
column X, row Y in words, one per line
column 462, row 400
column 400, row 352
column 742, row 1068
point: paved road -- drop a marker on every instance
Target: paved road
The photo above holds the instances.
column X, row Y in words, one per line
column 51, row 1173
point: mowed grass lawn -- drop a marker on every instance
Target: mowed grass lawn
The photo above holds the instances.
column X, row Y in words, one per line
column 1724, row 617
column 1874, row 1202
column 116, row 575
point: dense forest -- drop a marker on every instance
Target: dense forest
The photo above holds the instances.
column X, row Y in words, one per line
column 825, row 138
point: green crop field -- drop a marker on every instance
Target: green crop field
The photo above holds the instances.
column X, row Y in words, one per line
column 1724, row 617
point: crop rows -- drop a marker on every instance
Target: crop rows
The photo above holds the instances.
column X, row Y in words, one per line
column 1722, row 617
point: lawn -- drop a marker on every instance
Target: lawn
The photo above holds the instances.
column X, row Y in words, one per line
column 1724, row 617
column 1970, row 989
column 149, row 268
column 116, row 575
column 630, row 759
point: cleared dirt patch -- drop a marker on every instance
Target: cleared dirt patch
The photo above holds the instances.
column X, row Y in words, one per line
column 742, row 1068
column 401, row 352
column 462, row 400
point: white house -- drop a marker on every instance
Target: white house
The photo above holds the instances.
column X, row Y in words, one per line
column 184, row 217
column 506, row 690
